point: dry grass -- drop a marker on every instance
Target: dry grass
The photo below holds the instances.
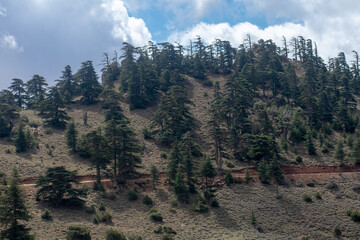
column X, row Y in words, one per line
column 287, row 218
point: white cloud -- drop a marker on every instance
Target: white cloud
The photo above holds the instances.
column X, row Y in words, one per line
column 2, row 11
column 189, row 10
column 8, row 41
column 125, row 28
column 333, row 25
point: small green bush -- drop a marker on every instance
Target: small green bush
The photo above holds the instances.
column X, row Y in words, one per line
column 307, row 198
column 355, row 216
column 152, row 210
column 112, row 234
column 252, row 218
column 157, row 230
column 90, row 209
column 104, row 217
column 147, row 201
column 167, row 236
column 201, row 206
column 318, row 195
column 298, row 159
column 156, row 216
column 132, row 195
column 348, row 213
column 102, row 207
column 8, row 151
column 214, row 203
column 46, row 215
column 147, row 133
column 229, row 179
column 173, row 202
column 135, row 237
column 163, row 155
column 337, row 231
column 77, row 232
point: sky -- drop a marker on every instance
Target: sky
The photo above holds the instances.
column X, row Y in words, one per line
column 43, row 36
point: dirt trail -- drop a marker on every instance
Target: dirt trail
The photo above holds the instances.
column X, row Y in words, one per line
column 305, row 174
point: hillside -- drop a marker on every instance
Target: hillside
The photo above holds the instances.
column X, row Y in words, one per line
column 196, row 121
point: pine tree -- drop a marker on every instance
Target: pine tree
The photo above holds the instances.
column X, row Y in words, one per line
column 155, row 178
column 93, row 145
column 17, row 87
column 174, row 160
column 67, row 85
column 35, row 88
column 339, row 152
column 56, row 186
column 310, row 145
column 13, row 210
column 248, row 178
column 207, row 170
column 54, row 114
column 263, row 172
column 180, row 189
column 20, row 140
column 89, row 85
column 71, row 136
column 356, row 152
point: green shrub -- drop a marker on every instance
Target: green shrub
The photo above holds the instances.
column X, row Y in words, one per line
column 156, row 216
column 102, row 207
column 167, row 236
column 77, row 232
column 252, row 218
column 324, row 149
column 229, row 179
column 168, row 229
column 8, row 151
column 147, row 201
column 307, row 198
column 104, row 217
column 318, row 196
column 311, row 184
column 163, row 155
column 337, row 231
column 298, row 159
column 152, row 210
column 46, row 215
column 112, row 234
column 201, row 206
column 173, row 202
column 214, row 203
column 355, row 216
column 135, row 237
column 90, row 209
column 147, row 133
column 132, row 195
column 348, row 213
column 158, row 229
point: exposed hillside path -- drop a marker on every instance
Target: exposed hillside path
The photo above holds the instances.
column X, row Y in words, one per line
column 305, row 174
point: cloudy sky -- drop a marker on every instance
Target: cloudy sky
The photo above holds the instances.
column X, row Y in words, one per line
column 42, row 36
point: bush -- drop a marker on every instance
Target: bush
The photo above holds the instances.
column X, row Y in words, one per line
column 229, row 179
column 311, row 184
column 77, row 232
column 132, row 195
column 102, row 207
column 201, row 206
column 90, row 209
column 356, row 187
column 307, row 198
column 318, row 196
column 135, row 237
column 337, row 231
column 298, row 159
column 214, row 203
column 147, row 201
column 147, row 133
column 46, row 215
column 104, row 217
column 167, row 236
column 252, row 218
column 331, row 185
column 158, row 229
column 112, row 234
column 156, row 216
column 355, row 216
column 163, row 155
column 173, row 202
column 152, row 210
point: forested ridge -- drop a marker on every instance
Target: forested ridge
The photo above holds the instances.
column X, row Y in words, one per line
column 277, row 106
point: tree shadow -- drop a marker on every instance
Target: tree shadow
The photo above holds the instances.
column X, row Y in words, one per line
column 224, row 219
